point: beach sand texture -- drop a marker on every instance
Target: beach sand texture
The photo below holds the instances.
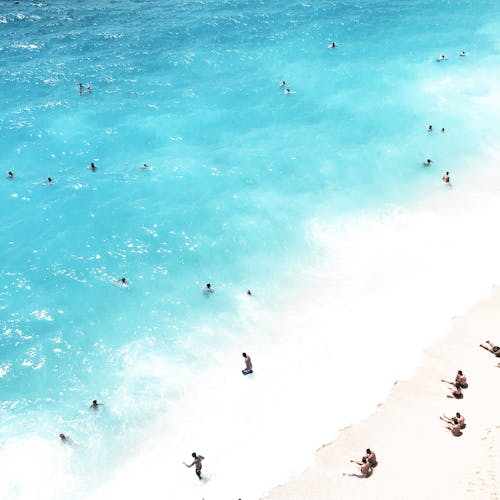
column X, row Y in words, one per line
column 417, row 457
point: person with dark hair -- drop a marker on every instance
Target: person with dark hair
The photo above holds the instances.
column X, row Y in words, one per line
column 427, row 162
column 93, row 167
column 10, row 175
column 365, row 469
column 333, row 45
column 95, row 404
column 208, row 288
column 461, row 379
column 446, row 178
column 371, row 458
column 248, row 364
column 460, row 419
column 64, row 438
column 429, row 129
column 197, row 462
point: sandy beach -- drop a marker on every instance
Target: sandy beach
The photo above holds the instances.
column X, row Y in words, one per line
column 418, row 458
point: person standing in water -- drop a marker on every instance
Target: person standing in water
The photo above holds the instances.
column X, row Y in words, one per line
column 248, row 364
column 197, row 462
column 446, row 178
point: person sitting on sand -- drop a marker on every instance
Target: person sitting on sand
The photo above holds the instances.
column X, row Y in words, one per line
column 365, row 469
column 461, row 379
column 446, row 178
column 460, row 419
column 494, row 349
column 454, row 427
column 371, row 458
column 456, row 391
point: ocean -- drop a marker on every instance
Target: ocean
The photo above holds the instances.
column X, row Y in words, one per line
column 356, row 254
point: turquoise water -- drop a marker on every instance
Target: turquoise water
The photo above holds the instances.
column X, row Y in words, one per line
column 242, row 179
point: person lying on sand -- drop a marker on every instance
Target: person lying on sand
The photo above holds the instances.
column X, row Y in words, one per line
column 460, row 418
column 365, row 469
column 494, row 349
column 454, row 427
column 371, row 458
column 456, row 391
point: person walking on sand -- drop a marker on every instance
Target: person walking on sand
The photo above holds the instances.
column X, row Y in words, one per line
column 248, row 364
column 371, row 458
column 365, row 469
column 197, row 462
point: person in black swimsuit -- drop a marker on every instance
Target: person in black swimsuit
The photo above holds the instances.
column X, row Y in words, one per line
column 197, row 462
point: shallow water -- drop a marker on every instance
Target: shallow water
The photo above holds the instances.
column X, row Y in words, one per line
column 356, row 254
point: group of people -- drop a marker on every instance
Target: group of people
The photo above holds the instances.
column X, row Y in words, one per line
column 64, row 437
column 428, row 161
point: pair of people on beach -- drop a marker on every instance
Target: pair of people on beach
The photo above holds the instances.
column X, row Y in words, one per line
column 368, row 462
column 457, row 386
column 454, row 424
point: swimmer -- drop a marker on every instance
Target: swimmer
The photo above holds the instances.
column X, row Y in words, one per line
column 462, row 54
column 144, row 166
column 64, row 438
column 81, row 88
column 442, row 130
column 89, row 89
column 427, row 162
column 333, row 45
column 122, row 281
column 10, row 175
column 429, row 129
column 249, row 292
column 283, row 84
column 248, row 364
column 288, row 91
column 446, row 178
column 197, row 462
column 93, row 167
column 208, row 288
column 95, row 404
column 442, row 58
column 49, row 180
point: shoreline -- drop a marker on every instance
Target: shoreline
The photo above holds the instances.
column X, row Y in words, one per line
column 417, row 457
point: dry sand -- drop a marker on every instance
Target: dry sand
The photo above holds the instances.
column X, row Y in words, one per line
column 418, row 458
